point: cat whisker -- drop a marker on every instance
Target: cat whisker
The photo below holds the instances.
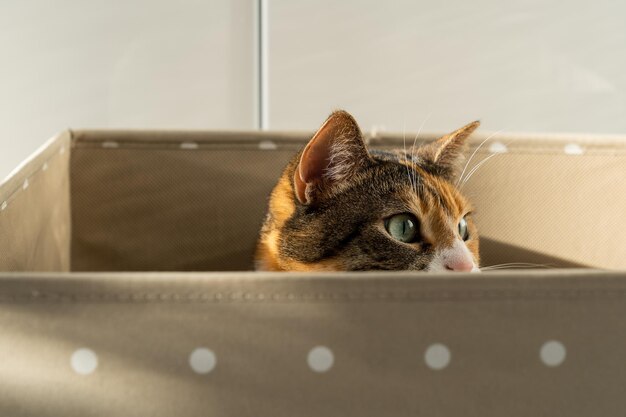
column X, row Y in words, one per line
column 474, row 169
column 413, row 149
column 512, row 265
column 481, row 163
column 474, row 153
column 408, row 172
column 503, row 269
column 509, row 266
column 418, row 133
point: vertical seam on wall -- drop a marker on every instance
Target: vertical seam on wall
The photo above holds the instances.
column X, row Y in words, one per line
column 262, row 64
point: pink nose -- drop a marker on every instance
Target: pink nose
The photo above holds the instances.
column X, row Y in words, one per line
column 459, row 265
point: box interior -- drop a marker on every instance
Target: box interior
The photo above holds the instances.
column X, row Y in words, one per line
column 194, row 201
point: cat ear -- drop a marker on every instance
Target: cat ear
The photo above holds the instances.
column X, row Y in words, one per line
column 332, row 156
column 445, row 156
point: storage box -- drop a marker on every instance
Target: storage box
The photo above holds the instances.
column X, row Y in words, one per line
column 84, row 335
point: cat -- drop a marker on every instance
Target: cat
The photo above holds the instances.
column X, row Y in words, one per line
column 341, row 207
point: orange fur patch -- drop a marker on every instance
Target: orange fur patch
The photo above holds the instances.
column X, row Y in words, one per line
column 282, row 203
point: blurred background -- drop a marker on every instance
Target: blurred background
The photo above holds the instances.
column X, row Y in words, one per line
column 519, row 66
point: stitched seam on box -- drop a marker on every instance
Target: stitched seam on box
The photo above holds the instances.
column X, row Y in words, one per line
column 322, row 297
column 529, row 149
column 32, row 179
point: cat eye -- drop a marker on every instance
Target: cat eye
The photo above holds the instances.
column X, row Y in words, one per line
column 463, row 232
column 402, row 227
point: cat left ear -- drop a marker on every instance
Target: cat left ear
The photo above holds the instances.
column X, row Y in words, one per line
column 332, row 156
column 445, row 156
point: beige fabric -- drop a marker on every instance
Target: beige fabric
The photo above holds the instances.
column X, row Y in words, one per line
column 195, row 201
column 35, row 212
column 261, row 328
column 178, row 201
column 185, row 201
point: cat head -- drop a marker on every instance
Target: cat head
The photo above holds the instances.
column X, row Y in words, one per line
column 340, row 206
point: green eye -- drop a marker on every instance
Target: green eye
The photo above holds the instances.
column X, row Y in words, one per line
column 463, row 232
column 402, row 227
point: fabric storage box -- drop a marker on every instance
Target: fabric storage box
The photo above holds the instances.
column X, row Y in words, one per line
column 84, row 335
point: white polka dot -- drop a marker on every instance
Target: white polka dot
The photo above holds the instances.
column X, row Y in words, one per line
column 189, row 145
column 320, row 359
column 267, row 145
column 3, row 206
column 376, row 129
column 573, row 149
column 110, row 144
column 202, row 360
column 437, row 356
column 25, row 185
column 84, row 361
column 552, row 353
column 498, row 147
column 45, row 166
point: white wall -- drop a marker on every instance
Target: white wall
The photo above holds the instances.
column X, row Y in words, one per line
column 522, row 65
column 531, row 65
column 112, row 64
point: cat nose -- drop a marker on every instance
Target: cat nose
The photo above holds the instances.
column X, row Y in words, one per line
column 459, row 265
column 458, row 258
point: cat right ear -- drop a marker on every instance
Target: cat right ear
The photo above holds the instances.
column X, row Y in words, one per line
column 445, row 155
column 332, row 156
